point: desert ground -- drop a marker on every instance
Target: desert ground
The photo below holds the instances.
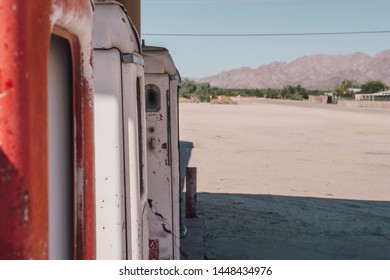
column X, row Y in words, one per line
column 290, row 180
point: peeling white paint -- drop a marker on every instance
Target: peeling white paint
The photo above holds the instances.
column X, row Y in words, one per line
column 163, row 170
column 3, row 94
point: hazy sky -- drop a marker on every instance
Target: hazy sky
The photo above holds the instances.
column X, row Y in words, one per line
column 204, row 56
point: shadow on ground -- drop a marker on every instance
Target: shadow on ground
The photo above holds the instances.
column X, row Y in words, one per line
column 185, row 155
column 242, row 226
column 191, row 229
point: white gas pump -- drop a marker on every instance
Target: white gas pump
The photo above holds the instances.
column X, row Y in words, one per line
column 161, row 91
column 121, row 191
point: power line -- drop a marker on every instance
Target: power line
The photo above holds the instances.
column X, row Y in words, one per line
column 264, row 34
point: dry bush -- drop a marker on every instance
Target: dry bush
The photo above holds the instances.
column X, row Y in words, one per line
column 223, row 100
column 188, row 100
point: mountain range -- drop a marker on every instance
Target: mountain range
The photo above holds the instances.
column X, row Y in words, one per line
column 311, row 72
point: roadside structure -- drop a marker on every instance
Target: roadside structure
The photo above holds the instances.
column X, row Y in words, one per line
column 379, row 96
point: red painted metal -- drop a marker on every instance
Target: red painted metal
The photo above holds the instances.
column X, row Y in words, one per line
column 24, row 44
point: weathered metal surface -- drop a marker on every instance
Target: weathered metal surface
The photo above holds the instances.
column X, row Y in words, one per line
column 154, row 249
column 23, row 233
column 24, row 45
column 133, row 7
column 72, row 20
column 109, row 155
column 163, row 151
column 120, row 136
column 112, row 29
column 133, row 58
column 135, row 160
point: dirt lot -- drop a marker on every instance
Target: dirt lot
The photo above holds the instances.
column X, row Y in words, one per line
column 290, row 180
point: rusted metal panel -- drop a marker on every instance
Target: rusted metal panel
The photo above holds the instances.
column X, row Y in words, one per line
column 154, row 249
column 72, row 19
column 23, row 186
column 191, row 195
column 24, row 45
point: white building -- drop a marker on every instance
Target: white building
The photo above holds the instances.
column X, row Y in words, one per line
column 379, row 96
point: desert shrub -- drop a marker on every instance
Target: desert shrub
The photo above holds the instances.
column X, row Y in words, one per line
column 203, row 91
column 223, row 100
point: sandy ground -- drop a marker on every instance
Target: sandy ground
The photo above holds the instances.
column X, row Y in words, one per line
column 290, row 180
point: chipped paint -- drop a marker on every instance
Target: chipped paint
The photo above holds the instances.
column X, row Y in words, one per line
column 113, row 36
column 23, row 130
column 7, row 87
column 79, row 23
column 163, row 173
column 154, row 249
column 25, row 207
column 3, row 94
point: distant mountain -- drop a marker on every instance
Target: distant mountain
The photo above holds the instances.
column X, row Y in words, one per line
column 312, row 72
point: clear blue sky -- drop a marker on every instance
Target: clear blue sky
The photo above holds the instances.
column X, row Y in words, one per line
column 198, row 57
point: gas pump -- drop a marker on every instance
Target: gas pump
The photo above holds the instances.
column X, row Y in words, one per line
column 161, row 91
column 46, row 130
column 121, row 190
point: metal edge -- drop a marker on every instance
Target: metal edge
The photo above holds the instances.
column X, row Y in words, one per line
column 133, row 58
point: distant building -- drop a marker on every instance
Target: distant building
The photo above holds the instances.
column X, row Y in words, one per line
column 379, row 96
column 328, row 98
column 354, row 90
